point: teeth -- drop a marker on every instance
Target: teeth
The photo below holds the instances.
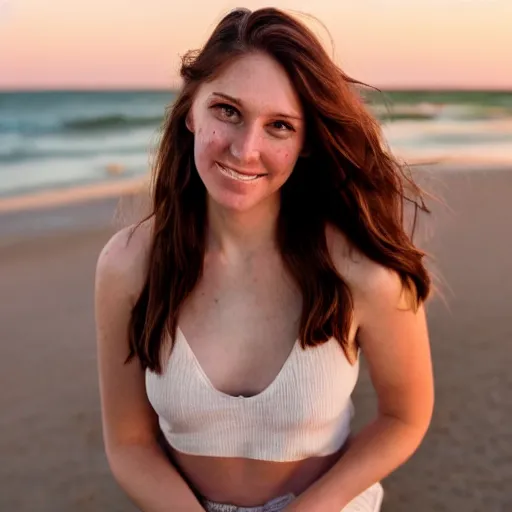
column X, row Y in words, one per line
column 236, row 175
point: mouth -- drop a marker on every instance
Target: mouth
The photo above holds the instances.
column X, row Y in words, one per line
column 236, row 175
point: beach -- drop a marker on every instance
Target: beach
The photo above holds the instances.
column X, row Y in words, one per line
column 50, row 439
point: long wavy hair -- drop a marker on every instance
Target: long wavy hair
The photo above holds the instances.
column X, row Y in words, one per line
column 348, row 180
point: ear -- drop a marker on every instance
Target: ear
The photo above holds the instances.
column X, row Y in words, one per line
column 189, row 122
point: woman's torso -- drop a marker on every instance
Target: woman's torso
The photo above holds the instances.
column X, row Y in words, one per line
column 252, row 311
column 248, row 482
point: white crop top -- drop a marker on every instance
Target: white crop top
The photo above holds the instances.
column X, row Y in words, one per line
column 305, row 412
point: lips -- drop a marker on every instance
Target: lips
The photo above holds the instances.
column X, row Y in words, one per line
column 238, row 171
column 237, row 175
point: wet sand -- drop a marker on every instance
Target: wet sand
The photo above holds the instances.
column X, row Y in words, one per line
column 50, row 435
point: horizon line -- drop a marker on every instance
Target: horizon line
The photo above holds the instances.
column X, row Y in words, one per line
column 173, row 89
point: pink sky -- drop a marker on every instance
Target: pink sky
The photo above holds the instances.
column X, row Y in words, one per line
column 124, row 43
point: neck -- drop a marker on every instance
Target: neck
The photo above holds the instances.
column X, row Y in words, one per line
column 238, row 235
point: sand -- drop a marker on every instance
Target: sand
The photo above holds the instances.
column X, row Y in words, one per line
column 50, row 435
column 72, row 195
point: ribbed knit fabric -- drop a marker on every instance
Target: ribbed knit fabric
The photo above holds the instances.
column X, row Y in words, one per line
column 305, row 412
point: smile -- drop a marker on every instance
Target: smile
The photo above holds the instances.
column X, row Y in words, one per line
column 230, row 173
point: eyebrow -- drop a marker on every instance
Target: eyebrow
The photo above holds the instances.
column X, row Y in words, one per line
column 238, row 102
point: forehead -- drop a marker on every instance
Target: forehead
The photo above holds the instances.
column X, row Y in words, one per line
column 259, row 82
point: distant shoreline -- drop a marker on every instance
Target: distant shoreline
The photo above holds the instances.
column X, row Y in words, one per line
column 50, row 198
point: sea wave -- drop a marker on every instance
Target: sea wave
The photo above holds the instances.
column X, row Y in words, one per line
column 78, row 125
column 110, row 122
column 425, row 111
column 23, row 154
column 83, row 123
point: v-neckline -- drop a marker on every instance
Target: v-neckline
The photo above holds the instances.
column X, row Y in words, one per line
column 273, row 384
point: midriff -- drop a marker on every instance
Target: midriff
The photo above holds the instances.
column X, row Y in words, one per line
column 248, row 482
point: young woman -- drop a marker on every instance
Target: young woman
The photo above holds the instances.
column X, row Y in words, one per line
column 231, row 321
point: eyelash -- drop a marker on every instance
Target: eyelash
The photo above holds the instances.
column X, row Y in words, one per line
column 225, row 106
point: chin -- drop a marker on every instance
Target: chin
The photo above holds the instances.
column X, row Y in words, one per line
column 232, row 196
column 233, row 202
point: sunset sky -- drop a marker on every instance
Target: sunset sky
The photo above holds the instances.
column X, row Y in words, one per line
column 137, row 44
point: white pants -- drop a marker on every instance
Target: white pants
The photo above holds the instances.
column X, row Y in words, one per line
column 368, row 501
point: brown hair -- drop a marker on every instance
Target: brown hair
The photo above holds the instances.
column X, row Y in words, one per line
column 347, row 179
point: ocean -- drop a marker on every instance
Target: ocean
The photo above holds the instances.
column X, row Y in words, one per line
column 56, row 139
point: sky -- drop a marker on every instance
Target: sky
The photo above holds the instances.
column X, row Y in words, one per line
column 82, row 44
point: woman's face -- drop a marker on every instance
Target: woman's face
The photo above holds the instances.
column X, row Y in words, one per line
column 248, row 132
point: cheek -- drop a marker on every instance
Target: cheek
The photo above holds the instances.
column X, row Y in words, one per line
column 210, row 140
column 285, row 158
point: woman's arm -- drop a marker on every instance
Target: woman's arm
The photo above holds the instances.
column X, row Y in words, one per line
column 395, row 343
column 130, row 426
column 149, row 479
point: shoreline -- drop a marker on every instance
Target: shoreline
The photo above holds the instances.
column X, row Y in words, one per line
column 51, row 198
column 75, row 194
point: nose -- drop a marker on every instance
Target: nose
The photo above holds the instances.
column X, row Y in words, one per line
column 245, row 146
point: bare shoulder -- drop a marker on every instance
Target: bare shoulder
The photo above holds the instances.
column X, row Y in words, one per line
column 393, row 336
column 368, row 280
column 124, row 258
column 120, row 274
